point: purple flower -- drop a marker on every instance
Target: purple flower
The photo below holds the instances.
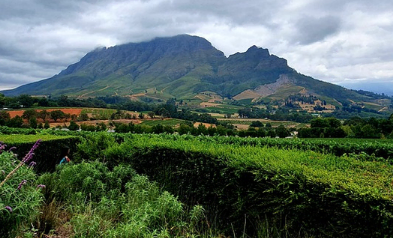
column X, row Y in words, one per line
column 12, row 148
column 21, row 184
column 29, row 155
column 2, row 148
column 32, row 164
column 8, row 208
column 41, row 186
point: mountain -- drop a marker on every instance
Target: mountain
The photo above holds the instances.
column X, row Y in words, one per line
column 184, row 67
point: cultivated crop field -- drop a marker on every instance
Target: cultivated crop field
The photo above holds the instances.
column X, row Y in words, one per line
column 164, row 185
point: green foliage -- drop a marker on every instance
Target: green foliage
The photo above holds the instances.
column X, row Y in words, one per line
column 4, row 117
column 57, row 114
column 87, row 127
column 33, row 122
column 282, row 132
column 119, row 203
column 16, row 121
column 24, row 202
column 93, row 146
column 73, row 126
column 48, row 155
column 256, row 124
column 316, row 193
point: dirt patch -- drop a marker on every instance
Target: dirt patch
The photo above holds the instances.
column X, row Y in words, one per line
column 209, row 104
column 207, row 125
column 71, row 111
column 241, row 126
column 247, row 94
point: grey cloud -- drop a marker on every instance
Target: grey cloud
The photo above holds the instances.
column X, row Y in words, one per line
column 41, row 37
column 311, row 29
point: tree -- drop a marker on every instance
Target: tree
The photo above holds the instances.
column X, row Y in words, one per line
column 141, row 116
column 221, row 130
column 56, row 114
column 73, row 126
column 202, row 130
column 271, row 133
column 163, row 112
column 2, row 100
column 4, row 117
column 368, row 131
column 33, row 122
column 183, row 129
column 63, row 101
column 334, row 122
column 17, row 121
column 256, row 124
column 151, row 114
column 25, row 100
column 43, row 102
column 319, row 122
column 101, row 126
column 67, row 116
column 83, row 117
column 42, row 114
column 282, row 132
column 168, row 129
column 157, row 129
column 28, row 114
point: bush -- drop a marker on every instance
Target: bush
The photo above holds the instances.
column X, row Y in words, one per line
column 310, row 193
column 73, row 126
column 19, row 196
column 93, row 146
column 47, row 158
column 118, row 203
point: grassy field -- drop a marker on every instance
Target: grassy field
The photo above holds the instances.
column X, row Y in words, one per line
column 352, row 140
column 11, row 139
column 99, row 113
column 167, row 122
column 248, row 121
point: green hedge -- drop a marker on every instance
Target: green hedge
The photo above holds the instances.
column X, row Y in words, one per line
column 361, row 149
column 305, row 192
column 48, row 154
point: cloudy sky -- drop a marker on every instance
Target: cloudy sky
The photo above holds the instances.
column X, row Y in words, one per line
column 343, row 42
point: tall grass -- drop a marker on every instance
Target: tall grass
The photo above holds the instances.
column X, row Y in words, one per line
column 119, row 203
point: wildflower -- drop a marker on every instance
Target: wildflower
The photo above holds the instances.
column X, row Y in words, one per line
column 21, row 184
column 8, row 208
column 32, row 164
column 29, row 155
column 25, row 160
column 2, row 148
column 12, row 148
column 41, row 186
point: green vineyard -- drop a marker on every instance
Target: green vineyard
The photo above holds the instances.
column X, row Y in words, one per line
column 218, row 186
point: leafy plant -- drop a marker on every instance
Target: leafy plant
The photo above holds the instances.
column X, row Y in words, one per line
column 20, row 196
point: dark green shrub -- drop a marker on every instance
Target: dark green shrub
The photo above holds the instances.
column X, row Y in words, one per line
column 73, row 126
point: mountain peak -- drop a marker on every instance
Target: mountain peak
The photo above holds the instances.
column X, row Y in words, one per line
column 181, row 66
column 258, row 52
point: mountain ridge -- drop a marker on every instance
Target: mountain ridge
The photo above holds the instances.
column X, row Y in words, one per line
column 183, row 66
